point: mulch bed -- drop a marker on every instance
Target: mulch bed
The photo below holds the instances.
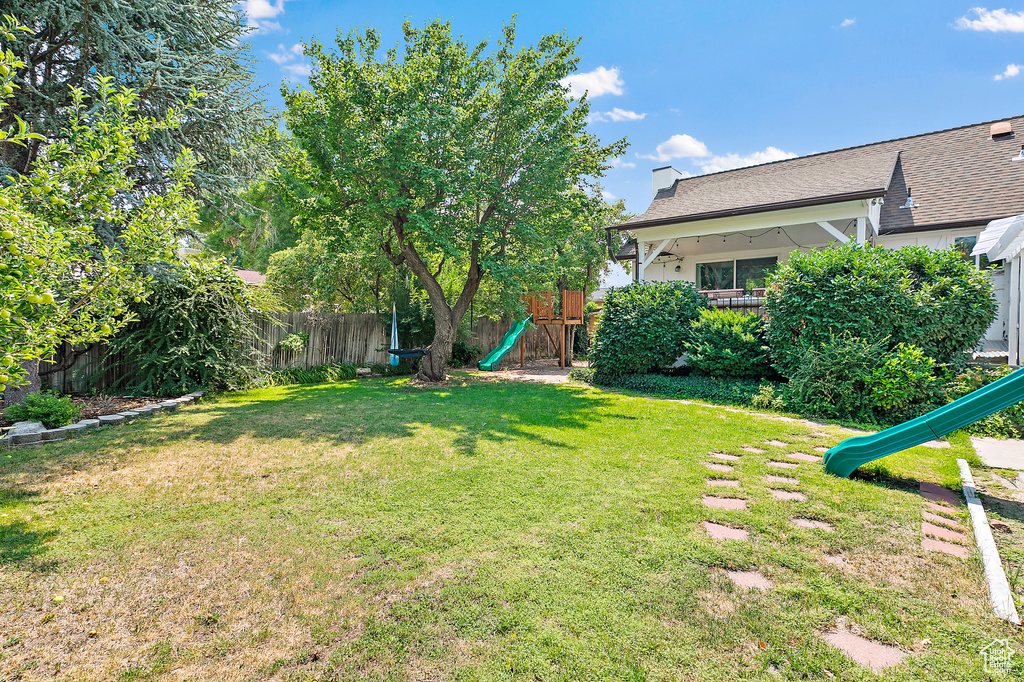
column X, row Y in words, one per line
column 96, row 405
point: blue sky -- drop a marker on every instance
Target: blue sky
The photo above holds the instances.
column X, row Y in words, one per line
column 707, row 86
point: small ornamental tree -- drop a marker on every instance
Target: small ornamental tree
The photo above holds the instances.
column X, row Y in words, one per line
column 450, row 161
column 72, row 255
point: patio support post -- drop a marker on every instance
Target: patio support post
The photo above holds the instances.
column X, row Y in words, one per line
column 843, row 239
column 862, row 230
column 642, row 264
column 1014, row 318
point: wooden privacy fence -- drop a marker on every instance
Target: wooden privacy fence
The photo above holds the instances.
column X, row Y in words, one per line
column 352, row 339
column 355, row 339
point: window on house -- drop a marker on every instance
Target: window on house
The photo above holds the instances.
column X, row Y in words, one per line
column 746, row 274
column 752, row 272
column 718, row 275
column 965, row 245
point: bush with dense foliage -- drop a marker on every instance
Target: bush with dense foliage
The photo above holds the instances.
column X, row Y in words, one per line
column 934, row 300
column 726, row 343
column 198, row 329
column 645, row 327
column 583, row 375
column 463, row 354
column 851, row 378
column 49, row 408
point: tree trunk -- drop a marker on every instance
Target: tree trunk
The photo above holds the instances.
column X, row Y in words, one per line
column 433, row 367
column 15, row 395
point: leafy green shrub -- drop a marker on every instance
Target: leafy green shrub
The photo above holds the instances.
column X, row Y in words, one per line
column 726, row 343
column 583, row 375
column 645, row 326
column 831, row 378
column 1007, row 423
column 769, row 397
column 851, row 378
column 692, row 387
column 935, row 300
column 318, row 374
column 49, row 408
column 294, row 342
column 463, row 354
column 197, row 329
column 904, row 376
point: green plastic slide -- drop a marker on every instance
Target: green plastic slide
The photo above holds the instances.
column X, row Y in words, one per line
column 844, row 458
column 508, row 342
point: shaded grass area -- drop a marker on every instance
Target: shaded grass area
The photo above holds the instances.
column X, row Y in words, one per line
column 476, row 531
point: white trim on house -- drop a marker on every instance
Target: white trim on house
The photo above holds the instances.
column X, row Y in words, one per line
column 820, row 217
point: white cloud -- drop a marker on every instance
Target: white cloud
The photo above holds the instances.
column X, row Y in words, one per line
column 600, row 81
column 678, row 147
column 617, row 114
column 1011, row 71
column 285, row 55
column 721, row 163
column 619, row 162
column 608, row 196
column 847, row 22
column 260, row 14
column 286, row 59
column 298, row 70
column 997, row 20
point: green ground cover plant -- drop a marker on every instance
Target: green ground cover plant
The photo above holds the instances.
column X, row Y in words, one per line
column 51, row 409
column 476, row 530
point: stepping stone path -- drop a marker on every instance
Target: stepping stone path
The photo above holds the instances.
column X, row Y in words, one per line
column 718, row 467
column 728, row 458
column 730, row 503
column 719, row 532
column 803, row 457
column 870, row 654
column 749, row 580
column 865, row 652
column 947, row 534
column 820, row 448
column 941, row 520
column 811, row 523
column 783, row 465
column 943, row 533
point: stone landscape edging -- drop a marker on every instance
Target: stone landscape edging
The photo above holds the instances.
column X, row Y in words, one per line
column 12, row 440
column 999, row 592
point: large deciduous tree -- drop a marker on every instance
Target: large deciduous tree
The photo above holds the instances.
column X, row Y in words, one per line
column 447, row 158
column 162, row 50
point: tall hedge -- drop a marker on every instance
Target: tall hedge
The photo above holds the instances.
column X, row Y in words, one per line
column 644, row 327
column 934, row 300
column 198, row 329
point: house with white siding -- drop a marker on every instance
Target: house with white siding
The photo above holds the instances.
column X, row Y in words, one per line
column 725, row 231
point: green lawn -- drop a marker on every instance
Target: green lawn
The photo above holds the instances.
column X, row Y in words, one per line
column 478, row 531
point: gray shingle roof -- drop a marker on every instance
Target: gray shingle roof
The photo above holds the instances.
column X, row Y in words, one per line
column 959, row 176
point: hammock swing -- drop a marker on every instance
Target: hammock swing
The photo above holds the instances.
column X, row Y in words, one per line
column 398, row 354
